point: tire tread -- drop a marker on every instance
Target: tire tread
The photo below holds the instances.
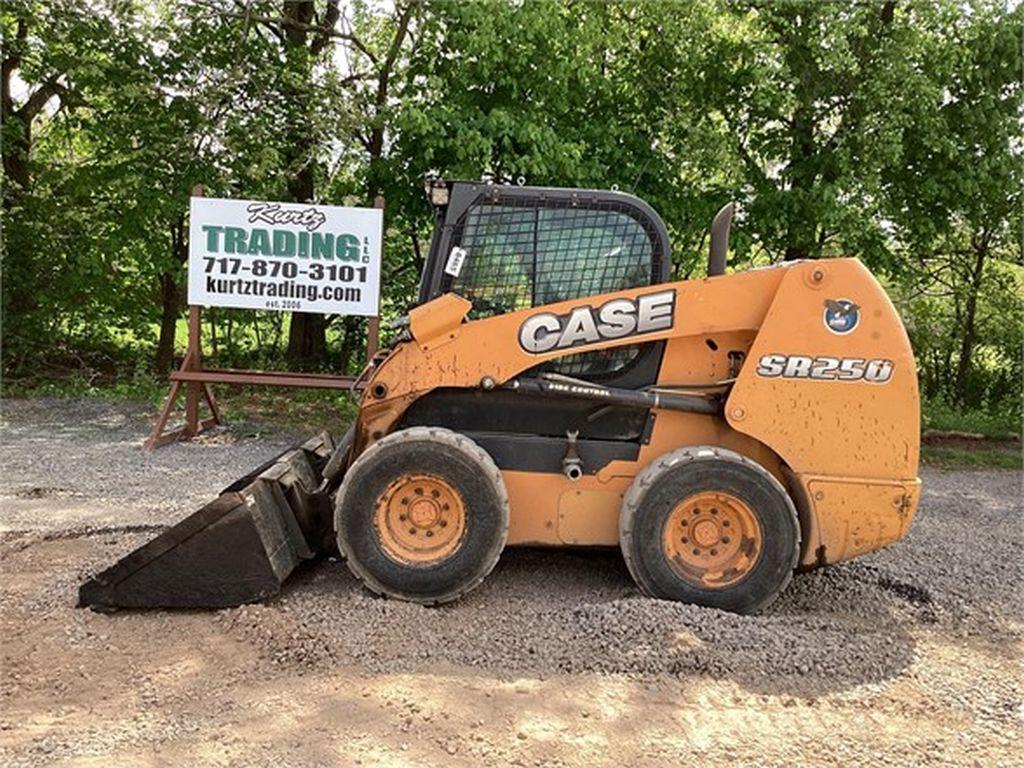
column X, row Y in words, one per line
column 654, row 471
column 452, row 441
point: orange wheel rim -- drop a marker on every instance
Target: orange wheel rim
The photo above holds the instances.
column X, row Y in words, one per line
column 420, row 520
column 712, row 539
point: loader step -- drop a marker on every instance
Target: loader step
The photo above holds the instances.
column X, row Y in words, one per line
column 237, row 549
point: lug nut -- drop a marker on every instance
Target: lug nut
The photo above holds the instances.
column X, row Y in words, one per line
column 725, row 539
column 402, row 518
column 429, row 534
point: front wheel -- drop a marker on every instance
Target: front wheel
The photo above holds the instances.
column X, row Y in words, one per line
column 706, row 525
column 422, row 515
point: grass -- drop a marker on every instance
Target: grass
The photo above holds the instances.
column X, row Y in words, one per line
column 959, row 458
column 262, row 409
column 997, row 423
column 999, row 428
column 302, row 411
column 143, row 387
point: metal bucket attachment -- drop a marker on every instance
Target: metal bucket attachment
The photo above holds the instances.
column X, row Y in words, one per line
column 237, row 549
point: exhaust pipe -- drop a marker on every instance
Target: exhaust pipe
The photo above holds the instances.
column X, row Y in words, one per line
column 720, row 240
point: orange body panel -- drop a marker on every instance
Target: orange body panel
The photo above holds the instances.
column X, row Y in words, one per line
column 864, row 437
column 853, row 428
column 855, row 515
column 847, row 450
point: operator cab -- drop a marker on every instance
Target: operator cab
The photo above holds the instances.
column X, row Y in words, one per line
column 507, row 248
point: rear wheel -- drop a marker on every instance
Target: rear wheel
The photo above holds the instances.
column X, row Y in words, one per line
column 709, row 526
column 422, row 515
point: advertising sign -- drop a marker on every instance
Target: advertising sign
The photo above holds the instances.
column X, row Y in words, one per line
column 294, row 257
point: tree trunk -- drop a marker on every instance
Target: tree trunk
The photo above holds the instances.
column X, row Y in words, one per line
column 170, row 304
column 211, row 315
column 170, row 298
column 15, row 155
column 307, row 333
column 307, row 340
column 17, row 137
column 17, row 122
column 307, row 337
column 801, row 226
column 351, row 341
column 967, row 342
column 800, row 172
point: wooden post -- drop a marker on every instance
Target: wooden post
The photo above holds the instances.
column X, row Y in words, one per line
column 194, row 356
column 194, row 389
column 373, row 323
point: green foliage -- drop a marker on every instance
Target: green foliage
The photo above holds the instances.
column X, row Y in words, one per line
column 802, row 102
column 1001, row 421
column 142, row 386
column 961, row 458
column 886, row 130
column 934, row 318
column 290, row 411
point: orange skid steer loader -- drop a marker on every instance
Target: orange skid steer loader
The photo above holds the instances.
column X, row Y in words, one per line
column 552, row 387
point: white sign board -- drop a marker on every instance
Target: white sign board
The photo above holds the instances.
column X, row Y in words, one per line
column 295, row 257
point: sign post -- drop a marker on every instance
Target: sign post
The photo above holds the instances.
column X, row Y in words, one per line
column 294, row 257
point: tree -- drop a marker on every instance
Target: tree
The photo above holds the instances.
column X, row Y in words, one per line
column 313, row 81
column 33, row 54
column 959, row 184
column 803, row 101
column 45, row 50
column 553, row 93
column 884, row 130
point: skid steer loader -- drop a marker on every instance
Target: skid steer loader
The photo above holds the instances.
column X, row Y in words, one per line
column 553, row 387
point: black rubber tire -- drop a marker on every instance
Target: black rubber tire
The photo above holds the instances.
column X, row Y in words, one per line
column 462, row 463
column 679, row 474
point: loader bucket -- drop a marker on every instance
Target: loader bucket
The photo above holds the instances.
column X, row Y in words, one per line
column 237, row 549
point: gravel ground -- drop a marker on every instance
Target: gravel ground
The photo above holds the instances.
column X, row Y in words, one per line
column 908, row 656
column 90, row 451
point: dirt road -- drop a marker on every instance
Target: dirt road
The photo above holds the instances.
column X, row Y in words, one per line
column 907, row 657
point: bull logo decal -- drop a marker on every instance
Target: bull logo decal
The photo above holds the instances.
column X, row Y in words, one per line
column 841, row 316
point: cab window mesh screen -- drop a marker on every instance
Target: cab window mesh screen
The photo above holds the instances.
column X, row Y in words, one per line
column 497, row 275
column 519, row 257
column 524, row 253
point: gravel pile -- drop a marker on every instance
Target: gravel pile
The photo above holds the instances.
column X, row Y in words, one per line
column 545, row 613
